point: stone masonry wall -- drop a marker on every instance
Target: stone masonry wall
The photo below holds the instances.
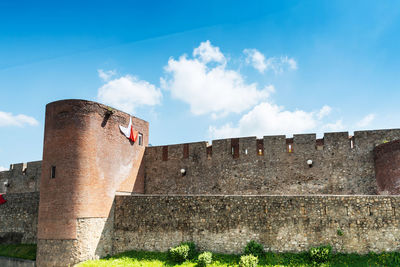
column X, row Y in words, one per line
column 272, row 165
column 18, row 218
column 21, row 178
column 281, row 223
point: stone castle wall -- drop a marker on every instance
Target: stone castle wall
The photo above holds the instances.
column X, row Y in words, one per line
column 19, row 218
column 217, row 223
column 272, row 165
column 21, row 178
column 341, row 165
column 230, row 192
column 281, row 223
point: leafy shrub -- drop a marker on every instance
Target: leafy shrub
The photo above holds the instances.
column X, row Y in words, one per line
column 248, row 261
column 204, row 259
column 254, row 248
column 320, row 254
column 192, row 249
column 179, row 253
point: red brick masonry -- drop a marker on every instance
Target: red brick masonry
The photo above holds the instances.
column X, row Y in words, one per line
column 387, row 167
column 92, row 161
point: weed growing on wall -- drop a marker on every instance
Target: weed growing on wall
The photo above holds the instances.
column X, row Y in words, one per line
column 339, row 232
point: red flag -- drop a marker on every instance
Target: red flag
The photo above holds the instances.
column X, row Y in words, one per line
column 2, row 200
column 133, row 136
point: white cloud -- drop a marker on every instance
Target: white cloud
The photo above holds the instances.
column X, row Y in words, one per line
column 3, row 169
column 325, row 110
column 128, row 92
column 291, row 63
column 364, row 122
column 106, row 75
column 208, row 53
column 269, row 119
column 208, row 89
column 256, row 59
column 8, row 119
column 333, row 127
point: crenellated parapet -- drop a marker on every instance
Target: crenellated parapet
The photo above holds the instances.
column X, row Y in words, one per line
column 21, row 178
column 341, row 164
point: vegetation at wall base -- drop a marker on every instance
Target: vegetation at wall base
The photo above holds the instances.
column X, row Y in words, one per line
column 179, row 253
column 21, row 251
column 254, row 248
column 248, row 261
column 185, row 251
column 153, row 259
column 320, row 254
column 204, row 259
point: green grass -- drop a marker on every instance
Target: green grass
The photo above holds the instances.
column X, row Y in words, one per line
column 153, row 259
column 22, row 251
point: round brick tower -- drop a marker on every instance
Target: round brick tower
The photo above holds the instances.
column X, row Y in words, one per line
column 387, row 167
column 86, row 161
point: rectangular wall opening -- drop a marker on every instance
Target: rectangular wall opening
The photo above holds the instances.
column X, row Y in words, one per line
column 185, row 151
column 235, row 147
column 289, row 145
column 165, row 153
column 53, row 172
column 260, row 147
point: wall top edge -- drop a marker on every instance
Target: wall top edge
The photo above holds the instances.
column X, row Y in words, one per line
column 288, row 196
column 90, row 103
column 327, row 134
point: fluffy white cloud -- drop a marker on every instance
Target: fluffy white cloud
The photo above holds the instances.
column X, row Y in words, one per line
column 106, row 75
column 208, row 53
column 3, row 169
column 256, row 59
column 128, row 92
column 8, row 119
column 325, row 110
column 210, row 89
column 269, row 119
column 364, row 122
column 333, row 127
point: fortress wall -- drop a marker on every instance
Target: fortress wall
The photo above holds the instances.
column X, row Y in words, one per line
column 281, row 223
column 18, row 218
column 21, row 178
column 272, row 165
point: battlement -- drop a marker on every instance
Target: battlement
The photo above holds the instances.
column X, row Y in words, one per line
column 21, row 178
column 251, row 146
column 335, row 164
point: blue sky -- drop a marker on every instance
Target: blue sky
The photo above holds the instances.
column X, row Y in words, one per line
column 200, row 70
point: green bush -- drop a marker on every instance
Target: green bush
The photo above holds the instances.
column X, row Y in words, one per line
column 320, row 254
column 248, row 261
column 192, row 249
column 179, row 253
column 254, row 248
column 204, row 259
